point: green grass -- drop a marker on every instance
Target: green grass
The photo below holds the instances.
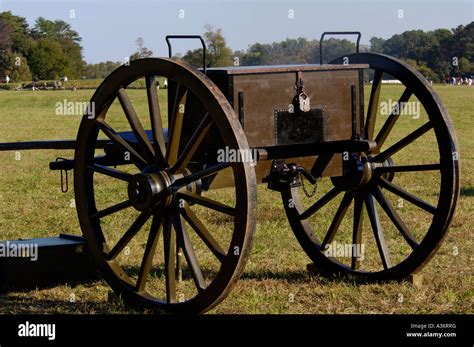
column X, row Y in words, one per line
column 275, row 278
column 79, row 84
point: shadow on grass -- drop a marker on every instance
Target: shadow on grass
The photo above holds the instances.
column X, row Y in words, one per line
column 21, row 304
column 296, row 276
column 314, row 273
column 290, row 276
column 30, row 303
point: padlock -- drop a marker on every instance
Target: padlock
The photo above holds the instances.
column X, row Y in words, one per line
column 304, row 102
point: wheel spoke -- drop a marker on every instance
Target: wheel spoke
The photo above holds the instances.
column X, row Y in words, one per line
column 320, row 203
column 321, row 163
column 179, row 259
column 136, row 125
column 403, row 143
column 169, row 252
column 129, row 234
column 392, row 118
column 111, row 134
column 149, row 253
column 190, row 255
column 378, row 232
column 336, row 222
column 410, row 168
column 206, row 202
column 203, row 233
column 357, row 231
column 407, row 196
column 155, row 118
column 373, row 105
column 174, row 135
column 193, row 144
column 200, row 174
column 394, row 217
column 108, row 171
column 112, row 209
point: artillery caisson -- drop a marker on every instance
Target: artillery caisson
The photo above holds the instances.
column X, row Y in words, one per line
column 169, row 188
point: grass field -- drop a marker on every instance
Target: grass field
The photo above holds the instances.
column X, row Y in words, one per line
column 87, row 84
column 275, row 278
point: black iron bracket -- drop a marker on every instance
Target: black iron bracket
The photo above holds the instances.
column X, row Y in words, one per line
column 199, row 37
column 65, row 176
column 283, row 175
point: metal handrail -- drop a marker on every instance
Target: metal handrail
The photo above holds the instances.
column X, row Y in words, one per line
column 337, row 33
column 170, row 53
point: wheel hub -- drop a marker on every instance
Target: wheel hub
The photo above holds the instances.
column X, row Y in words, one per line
column 149, row 190
column 358, row 172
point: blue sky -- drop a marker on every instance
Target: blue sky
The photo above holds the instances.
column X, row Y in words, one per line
column 110, row 27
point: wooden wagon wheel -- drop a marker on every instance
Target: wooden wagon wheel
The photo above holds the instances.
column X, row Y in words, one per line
column 160, row 190
column 400, row 246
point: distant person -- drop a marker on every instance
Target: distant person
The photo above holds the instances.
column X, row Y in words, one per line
column 165, row 84
column 7, row 79
column 469, row 81
column 453, row 81
column 64, row 79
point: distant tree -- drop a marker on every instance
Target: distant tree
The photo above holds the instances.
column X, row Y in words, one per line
column 258, row 54
column 142, row 51
column 194, row 57
column 15, row 44
column 462, row 42
column 413, row 44
column 218, row 54
column 376, row 44
column 433, row 51
column 5, row 46
column 464, row 67
column 17, row 67
column 18, row 31
column 334, row 48
column 48, row 61
column 238, row 57
column 100, row 70
column 296, row 51
column 440, row 53
column 423, row 69
column 69, row 40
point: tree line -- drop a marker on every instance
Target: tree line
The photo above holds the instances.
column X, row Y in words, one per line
column 47, row 50
column 52, row 49
column 437, row 54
